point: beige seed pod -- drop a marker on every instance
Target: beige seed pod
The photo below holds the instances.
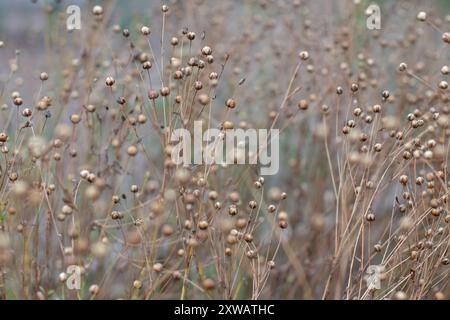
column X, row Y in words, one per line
column 208, row 284
column 43, row 76
column 422, row 16
column 132, row 151
column 110, row 81
column 137, row 284
column 231, row 103
column 145, row 30
column 203, row 99
column 304, row 55
column 446, row 37
column 203, row 225
column 206, row 51
column 97, row 10
column 75, row 118
column 157, row 267
column 94, row 289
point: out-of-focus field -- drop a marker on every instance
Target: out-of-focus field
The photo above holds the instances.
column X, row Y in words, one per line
column 88, row 182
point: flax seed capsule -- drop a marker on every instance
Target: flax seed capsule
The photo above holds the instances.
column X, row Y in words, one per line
column 145, row 30
column 208, row 284
column 132, row 151
column 304, row 55
column 191, row 35
column 422, row 16
column 165, row 91
column 303, row 104
column 206, row 50
column 43, row 76
column 110, row 81
column 3, row 137
column 231, row 103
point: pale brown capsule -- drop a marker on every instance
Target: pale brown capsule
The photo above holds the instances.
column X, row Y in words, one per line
column 203, row 225
column 145, row 30
column 132, row 151
column 110, row 81
column 422, row 16
column 43, row 76
column 75, row 118
column 147, row 65
column 403, row 179
column 446, row 37
column 157, row 267
column 232, row 210
column 228, row 125
column 303, row 104
column 191, row 35
column 212, row 195
column 137, row 284
column 208, row 284
column 165, row 91
column 304, row 55
column 370, row 217
column 402, row 67
column 94, row 289
column 18, row 101
column 198, row 85
column 231, row 103
column 443, row 85
column 283, row 224
column 3, row 137
column 206, row 50
column 97, row 10
column 153, row 94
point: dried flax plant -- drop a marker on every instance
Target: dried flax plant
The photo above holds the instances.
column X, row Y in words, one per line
column 87, row 177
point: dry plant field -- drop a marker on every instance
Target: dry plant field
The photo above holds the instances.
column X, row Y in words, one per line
column 93, row 204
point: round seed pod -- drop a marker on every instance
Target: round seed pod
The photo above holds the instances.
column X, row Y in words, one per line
column 43, row 76
column 206, row 50
column 422, row 16
column 203, row 99
column 137, row 284
column 157, row 267
column 283, row 224
column 191, row 35
column 132, row 151
column 27, row 112
column 165, row 91
column 147, row 65
column 3, row 137
column 97, row 10
column 231, row 103
column 304, row 55
column 402, row 67
column 303, row 104
column 208, row 284
column 203, row 225
column 153, row 94
column 145, row 30
column 110, row 81
column 232, row 210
